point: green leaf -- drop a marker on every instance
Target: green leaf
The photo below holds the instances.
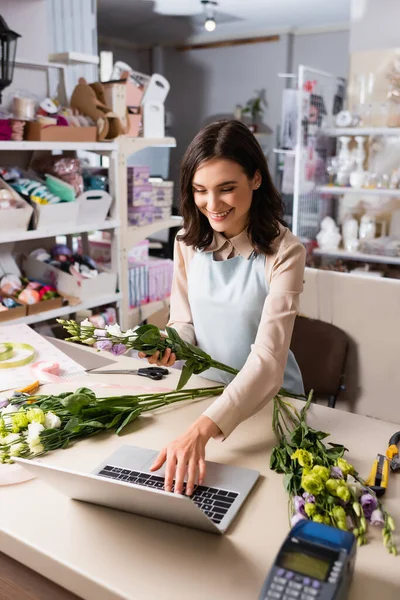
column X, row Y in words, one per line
column 131, row 417
column 87, row 391
column 95, row 424
column 144, row 328
column 173, row 335
column 75, row 402
column 74, row 425
column 287, row 480
column 115, row 421
column 186, row 374
column 198, row 351
column 150, row 337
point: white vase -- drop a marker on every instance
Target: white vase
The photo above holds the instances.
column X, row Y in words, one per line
column 367, row 227
column 350, row 234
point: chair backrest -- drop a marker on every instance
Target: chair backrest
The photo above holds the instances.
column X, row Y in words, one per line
column 320, row 350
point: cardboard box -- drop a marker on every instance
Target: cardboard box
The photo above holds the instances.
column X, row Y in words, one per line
column 68, row 285
column 93, row 206
column 15, row 218
column 50, row 215
column 8, row 265
column 13, row 313
column 43, row 305
column 35, row 132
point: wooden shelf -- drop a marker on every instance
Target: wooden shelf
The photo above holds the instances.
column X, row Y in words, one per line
column 135, row 235
column 19, row 235
column 130, row 145
column 339, row 191
column 65, row 310
column 89, row 146
column 144, row 312
column 358, row 256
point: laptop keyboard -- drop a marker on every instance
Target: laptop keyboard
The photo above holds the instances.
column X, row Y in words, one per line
column 214, row 502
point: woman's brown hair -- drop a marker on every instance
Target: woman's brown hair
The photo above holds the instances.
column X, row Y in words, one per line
column 230, row 140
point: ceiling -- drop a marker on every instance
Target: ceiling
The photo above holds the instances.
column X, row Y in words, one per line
column 168, row 21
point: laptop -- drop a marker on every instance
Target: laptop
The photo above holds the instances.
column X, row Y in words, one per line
column 124, row 481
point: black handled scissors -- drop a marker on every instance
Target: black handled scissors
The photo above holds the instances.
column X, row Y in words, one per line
column 155, row 373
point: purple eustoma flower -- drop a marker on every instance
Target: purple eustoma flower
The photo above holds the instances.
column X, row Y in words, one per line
column 309, row 498
column 103, row 345
column 298, row 503
column 118, row 349
column 4, row 403
column 377, row 518
column 336, row 473
column 297, row 518
column 369, row 503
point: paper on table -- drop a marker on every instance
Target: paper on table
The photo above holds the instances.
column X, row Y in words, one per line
column 22, row 376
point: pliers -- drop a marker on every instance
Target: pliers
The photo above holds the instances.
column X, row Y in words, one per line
column 392, row 452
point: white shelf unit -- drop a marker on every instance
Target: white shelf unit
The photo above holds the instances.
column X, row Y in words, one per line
column 124, row 236
column 339, row 191
column 144, row 312
column 358, row 256
column 129, row 235
column 19, row 235
column 100, row 147
column 367, row 131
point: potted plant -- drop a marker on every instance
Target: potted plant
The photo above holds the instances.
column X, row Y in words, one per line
column 254, row 108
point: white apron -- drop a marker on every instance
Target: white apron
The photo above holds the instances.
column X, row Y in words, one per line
column 226, row 300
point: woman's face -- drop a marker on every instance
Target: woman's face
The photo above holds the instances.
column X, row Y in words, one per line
column 223, row 193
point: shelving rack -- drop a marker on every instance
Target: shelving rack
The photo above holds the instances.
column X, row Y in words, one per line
column 123, row 237
column 329, row 190
column 130, row 235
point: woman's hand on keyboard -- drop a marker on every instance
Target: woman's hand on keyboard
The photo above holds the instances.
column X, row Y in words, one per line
column 185, row 456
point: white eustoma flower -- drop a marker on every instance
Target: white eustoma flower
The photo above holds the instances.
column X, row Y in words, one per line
column 114, row 330
column 34, row 431
column 11, row 408
column 16, row 449
column 11, row 438
column 86, row 323
column 36, row 449
column 52, row 421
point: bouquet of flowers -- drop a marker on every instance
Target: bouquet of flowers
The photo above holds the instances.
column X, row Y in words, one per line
column 33, row 425
column 322, row 485
column 148, row 339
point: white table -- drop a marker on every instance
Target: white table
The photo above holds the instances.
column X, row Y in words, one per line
column 103, row 554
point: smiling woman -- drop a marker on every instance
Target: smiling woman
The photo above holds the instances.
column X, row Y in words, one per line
column 238, row 273
column 225, row 175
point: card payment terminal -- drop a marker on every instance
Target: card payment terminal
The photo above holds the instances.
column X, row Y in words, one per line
column 315, row 562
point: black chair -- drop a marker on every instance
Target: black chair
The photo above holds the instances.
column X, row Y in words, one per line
column 321, row 351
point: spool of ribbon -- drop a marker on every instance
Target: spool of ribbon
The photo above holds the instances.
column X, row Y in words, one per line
column 12, row 347
column 6, row 351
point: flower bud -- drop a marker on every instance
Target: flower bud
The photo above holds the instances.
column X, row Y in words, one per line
column 391, row 523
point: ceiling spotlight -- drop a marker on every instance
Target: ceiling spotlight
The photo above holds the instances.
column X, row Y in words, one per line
column 209, row 25
column 209, row 12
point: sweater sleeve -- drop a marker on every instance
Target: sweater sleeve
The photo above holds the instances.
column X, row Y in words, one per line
column 262, row 375
column 180, row 313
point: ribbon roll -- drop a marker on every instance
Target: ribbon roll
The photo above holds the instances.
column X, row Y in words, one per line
column 6, row 351
column 11, row 346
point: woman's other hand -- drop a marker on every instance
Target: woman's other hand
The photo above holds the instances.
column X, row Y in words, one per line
column 185, row 456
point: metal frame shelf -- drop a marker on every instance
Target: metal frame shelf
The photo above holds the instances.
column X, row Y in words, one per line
column 339, row 191
column 358, row 256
